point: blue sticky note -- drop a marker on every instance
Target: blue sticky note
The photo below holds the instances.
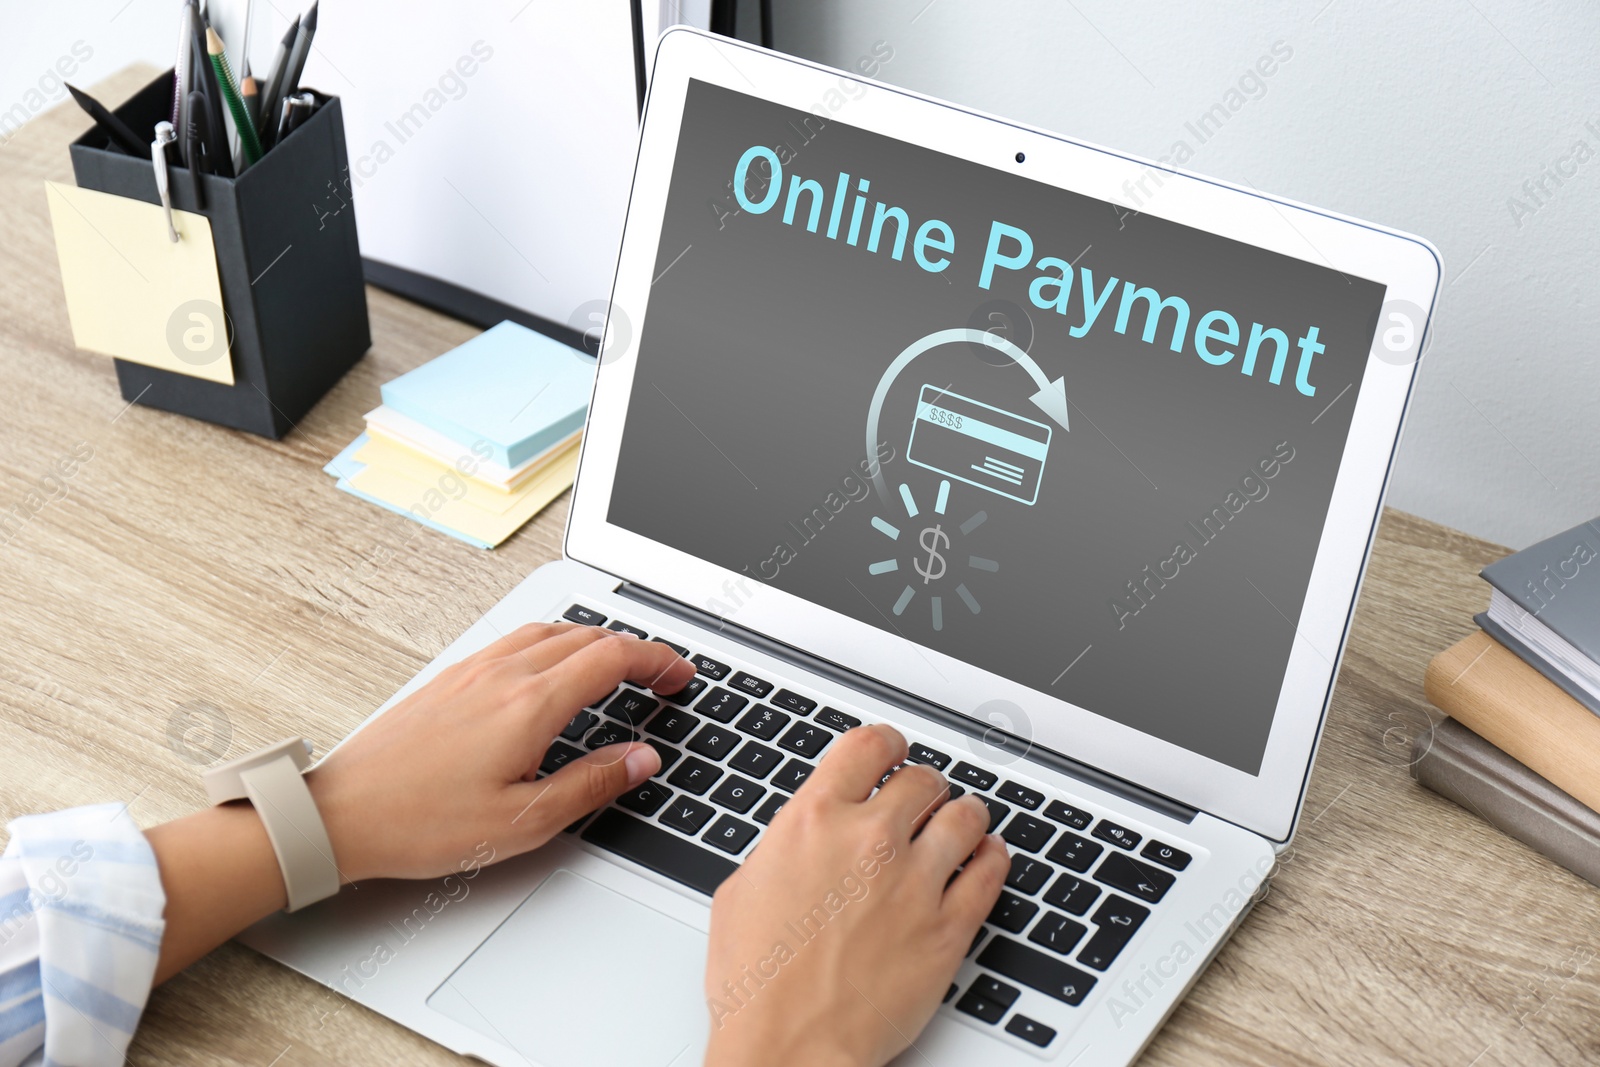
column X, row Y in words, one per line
column 515, row 390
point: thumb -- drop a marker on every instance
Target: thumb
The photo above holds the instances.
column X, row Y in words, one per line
column 591, row 782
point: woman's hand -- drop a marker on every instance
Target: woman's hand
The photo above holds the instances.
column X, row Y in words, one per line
column 836, row 940
column 445, row 777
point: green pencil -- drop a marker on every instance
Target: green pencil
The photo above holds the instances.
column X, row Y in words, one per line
column 232, row 97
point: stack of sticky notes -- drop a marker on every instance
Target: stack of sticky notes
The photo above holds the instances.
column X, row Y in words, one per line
column 476, row 442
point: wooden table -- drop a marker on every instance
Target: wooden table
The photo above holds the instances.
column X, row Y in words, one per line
column 191, row 575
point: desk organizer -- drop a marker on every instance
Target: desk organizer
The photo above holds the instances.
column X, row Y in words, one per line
column 287, row 259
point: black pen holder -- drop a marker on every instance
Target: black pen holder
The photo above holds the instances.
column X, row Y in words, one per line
column 287, row 259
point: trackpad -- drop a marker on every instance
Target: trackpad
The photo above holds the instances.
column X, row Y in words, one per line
column 581, row 976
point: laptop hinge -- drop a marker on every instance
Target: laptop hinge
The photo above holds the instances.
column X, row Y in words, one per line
column 1003, row 744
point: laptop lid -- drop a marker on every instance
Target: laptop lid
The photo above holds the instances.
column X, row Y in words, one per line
column 929, row 395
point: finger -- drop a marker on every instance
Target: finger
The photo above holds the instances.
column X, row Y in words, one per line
column 969, row 899
column 951, row 835
column 550, row 650
column 858, row 761
column 548, row 805
column 600, row 666
column 525, row 637
column 912, row 794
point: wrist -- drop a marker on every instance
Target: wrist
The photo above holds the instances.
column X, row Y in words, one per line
column 341, row 817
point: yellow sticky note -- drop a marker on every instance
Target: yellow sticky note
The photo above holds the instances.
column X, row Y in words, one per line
column 132, row 292
column 431, row 500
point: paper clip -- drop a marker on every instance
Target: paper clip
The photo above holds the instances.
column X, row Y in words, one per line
column 165, row 135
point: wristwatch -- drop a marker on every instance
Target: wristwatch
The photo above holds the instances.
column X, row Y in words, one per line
column 270, row 778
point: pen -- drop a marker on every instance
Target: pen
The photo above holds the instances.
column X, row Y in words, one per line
column 195, row 142
column 230, row 95
column 272, row 91
column 297, row 107
column 120, row 132
column 182, row 75
column 165, row 135
column 216, row 132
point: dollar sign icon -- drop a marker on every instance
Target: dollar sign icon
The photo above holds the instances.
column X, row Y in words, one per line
column 932, row 539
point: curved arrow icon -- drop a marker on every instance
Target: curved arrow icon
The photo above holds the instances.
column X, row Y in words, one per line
column 1050, row 397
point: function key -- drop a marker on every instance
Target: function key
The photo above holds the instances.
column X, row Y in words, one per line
column 803, row 739
column 1074, row 853
column 623, row 628
column 682, row 650
column 749, row 683
column 976, row 777
column 1076, row 818
column 1166, row 855
column 709, row 667
column 789, row 700
column 721, row 705
column 1032, row 1032
column 1120, row 836
column 834, row 719
column 1134, row 878
column 1020, row 795
column 583, row 616
column 921, row 753
column 691, row 689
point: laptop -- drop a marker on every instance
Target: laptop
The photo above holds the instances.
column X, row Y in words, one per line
column 1064, row 463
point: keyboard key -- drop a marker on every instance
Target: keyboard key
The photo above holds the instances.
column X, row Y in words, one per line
column 763, row 722
column 789, row 700
column 579, row 725
column 631, row 707
column 1166, row 855
column 721, row 705
column 558, row 756
column 672, row 725
column 976, row 777
column 793, row 774
column 951, row 992
column 623, row 628
column 1120, row 836
column 1036, row 970
column 1020, row 795
column 1012, row 914
column 713, row 743
column 1072, row 894
column 770, row 807
column 668, row 754
column 695, row 776
column 997, row 812
column 921, row 753
column 1028, row 833
column 755, row 759
column 682, row 650
column 1118, row 920
column 1134, row 878
column 834, row 719
column 583, row 616
column 979, row 1008
column 1056, row 931
column 977, row 938
column 662, row 852
column 738, row 794
column 602, row 701
column 730, row 835
column 1028, row 875
column 992, row 989
column 749, row 683
column 804, row 739
column 688, row 815
column 1033, row 1032
column 645, row 799
column 686, row 696
column 608, row 733
column 709, row 667
column 1074, row 853
column 1076, row 818
column 956, row 791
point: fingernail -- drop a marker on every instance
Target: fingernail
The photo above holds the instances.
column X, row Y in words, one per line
column 641, row 762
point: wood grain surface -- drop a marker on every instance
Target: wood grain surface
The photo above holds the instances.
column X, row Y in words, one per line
column 188, row 576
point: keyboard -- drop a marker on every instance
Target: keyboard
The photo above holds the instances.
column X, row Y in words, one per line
column 734, row 747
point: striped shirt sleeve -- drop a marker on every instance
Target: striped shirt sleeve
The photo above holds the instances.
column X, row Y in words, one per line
column 81, row 909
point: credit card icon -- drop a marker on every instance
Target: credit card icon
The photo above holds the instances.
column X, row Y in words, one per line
column 978, row 444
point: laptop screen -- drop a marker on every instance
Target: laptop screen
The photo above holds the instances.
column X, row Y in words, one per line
column 1067, row 442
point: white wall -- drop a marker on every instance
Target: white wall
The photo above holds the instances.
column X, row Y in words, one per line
column 1428, row 116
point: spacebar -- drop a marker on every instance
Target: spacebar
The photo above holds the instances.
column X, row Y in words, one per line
column 652, row 847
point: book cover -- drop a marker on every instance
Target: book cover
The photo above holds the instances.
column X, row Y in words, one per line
column 1557, row 581
column 1457, row 764
column 1536, row 661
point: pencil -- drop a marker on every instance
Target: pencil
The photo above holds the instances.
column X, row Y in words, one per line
column 250, row 91
column 231, row 97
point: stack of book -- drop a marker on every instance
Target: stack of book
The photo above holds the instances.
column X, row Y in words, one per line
column 476, row 442
column 1521, row 746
